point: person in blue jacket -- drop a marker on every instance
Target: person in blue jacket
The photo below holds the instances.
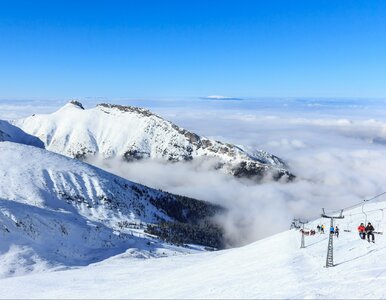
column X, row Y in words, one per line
column 332, row 230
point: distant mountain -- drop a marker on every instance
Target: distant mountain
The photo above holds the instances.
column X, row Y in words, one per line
column 66, row 212
column 134, row 133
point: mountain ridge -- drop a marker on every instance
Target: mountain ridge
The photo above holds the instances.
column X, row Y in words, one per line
column 66, row 212
column 133, row 133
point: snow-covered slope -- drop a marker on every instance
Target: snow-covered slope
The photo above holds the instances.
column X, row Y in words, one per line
column 135, row 133
column 275, row 267
column 61, row 211
column 11, row 133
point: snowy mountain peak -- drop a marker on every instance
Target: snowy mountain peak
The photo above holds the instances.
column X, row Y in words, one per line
column 76, row 103
column 133, row 133
column 72, row 106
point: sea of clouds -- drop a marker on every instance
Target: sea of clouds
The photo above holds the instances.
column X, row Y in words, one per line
column 335, row 147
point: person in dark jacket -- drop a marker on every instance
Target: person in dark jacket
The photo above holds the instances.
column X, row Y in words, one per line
column 336, row 231
column 369, row 231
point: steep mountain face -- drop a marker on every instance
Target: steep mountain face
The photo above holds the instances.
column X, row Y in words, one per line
column 63, row 211
column 134, row 133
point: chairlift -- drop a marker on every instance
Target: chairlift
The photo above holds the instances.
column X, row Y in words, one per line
column 295, row 224
column 309, row 231
column 365, row 214
column 379, row 222
column 348, row 226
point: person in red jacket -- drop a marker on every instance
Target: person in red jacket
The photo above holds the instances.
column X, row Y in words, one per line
column 362, row 231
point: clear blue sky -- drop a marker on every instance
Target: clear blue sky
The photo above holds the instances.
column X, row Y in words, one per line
column 192, row 48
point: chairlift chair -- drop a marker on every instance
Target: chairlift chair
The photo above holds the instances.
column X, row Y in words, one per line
column 380, row 222
column 363, row 212
column 348, row 226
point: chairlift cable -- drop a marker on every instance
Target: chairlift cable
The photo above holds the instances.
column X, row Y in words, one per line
column 361, row 203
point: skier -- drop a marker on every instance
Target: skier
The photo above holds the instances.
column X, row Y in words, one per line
column 322, row 228
column 336, row 231
column 332, row 230
column 369, row 231
column 361, row 230
column 318, row 228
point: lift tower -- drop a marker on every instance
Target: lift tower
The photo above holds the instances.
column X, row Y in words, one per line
column 302, row 244
column 330, row 249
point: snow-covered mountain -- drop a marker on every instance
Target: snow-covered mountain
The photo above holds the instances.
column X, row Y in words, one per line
column 134, row 133
column 272, row 268
column 62, row 211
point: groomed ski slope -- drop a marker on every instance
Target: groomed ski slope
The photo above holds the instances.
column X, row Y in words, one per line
column 275, row 267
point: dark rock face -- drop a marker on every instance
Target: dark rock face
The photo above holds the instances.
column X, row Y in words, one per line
column 77, row 103
column 190, row 136
column 133, row 155
column 123, row 108
column 82, row 154
column 256, row 171
column 249, row 170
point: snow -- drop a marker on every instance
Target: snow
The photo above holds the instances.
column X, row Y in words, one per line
column 60, row 212
column 109, row 131
column 216, row 97
column 219, row 97
column 9, row 132
column 275, row 267
column 59, row 236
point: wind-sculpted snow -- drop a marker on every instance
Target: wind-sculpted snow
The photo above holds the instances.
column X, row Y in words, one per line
column 133, row 133
column 65, row 212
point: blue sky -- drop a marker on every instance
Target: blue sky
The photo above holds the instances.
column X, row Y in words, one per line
column 160, row 49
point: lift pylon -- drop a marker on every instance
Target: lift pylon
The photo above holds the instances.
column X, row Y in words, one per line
column 330, row 248
column 302, row 243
